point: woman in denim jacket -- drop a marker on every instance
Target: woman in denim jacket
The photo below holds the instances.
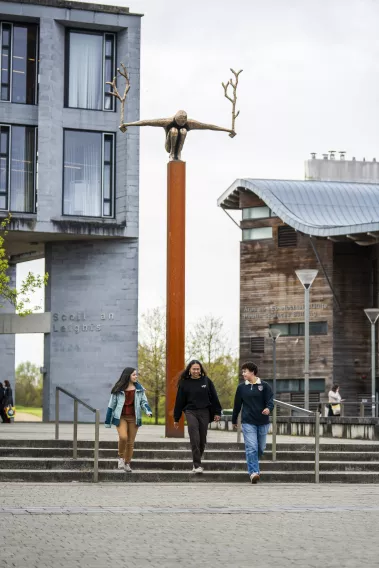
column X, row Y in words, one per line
column 125, row 407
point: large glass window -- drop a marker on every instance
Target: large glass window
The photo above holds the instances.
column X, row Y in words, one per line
column 17, row 168
column 256, row 212
column 19, row 62
column 90, row 64
column 88, row 174
column 296, row 329
column 257, row 234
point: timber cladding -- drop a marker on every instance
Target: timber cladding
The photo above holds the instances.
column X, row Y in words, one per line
column 270, row 293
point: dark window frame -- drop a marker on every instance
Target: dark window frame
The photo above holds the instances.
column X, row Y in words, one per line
column 67, row 68
column 113, row 174
column 9, row 158
column 9, row 84
column 300, row 327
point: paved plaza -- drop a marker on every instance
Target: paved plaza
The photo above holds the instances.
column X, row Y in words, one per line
column 72, row 525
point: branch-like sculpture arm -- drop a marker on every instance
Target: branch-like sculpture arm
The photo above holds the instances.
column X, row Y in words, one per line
column 162, row 122
column 196, row 125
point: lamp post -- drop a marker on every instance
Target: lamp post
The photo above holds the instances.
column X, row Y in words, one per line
column 306, row 277
column 372, row 314
column 274, row 334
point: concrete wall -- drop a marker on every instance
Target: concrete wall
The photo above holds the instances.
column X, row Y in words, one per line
column 7, row 342
column 92, row 296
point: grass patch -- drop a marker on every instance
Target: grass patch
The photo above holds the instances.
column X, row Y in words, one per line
column 29, row 410
column 148, row 420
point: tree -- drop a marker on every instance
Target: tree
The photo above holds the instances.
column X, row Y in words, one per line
column 17, row 298
column 29, row 384
column 208, row 342
column 152, row 358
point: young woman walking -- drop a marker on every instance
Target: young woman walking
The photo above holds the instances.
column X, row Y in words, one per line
column 197, row 398
column 125, row 407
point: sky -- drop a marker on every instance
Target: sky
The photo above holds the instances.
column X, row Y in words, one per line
column 309, row 84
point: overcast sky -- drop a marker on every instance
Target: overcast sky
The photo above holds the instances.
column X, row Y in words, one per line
column 309, row 84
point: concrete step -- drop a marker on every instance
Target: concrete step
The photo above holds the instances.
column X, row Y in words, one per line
column 183, row 444
column 160, row 476
column 175, row 454
column 180, row 465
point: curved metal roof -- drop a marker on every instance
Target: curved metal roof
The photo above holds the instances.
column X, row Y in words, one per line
column 319, row 208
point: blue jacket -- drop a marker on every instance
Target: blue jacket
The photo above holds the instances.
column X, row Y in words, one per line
column 116, row 404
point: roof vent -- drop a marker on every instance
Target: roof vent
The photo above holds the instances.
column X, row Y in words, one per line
column 313, row 154
column 374, row 159
column 332, row 154
column 353, row 158
column 342, row 154
column 325, row 156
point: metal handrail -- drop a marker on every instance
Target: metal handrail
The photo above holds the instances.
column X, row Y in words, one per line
column 77, row 401
column 359, row 403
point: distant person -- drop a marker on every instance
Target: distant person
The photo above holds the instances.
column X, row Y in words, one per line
column 3, row 414
column 127, row 401
column 197, row 398
column 257, row 401
column 334, row 401
column 8, row 398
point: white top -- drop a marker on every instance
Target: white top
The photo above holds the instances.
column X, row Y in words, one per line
column 334, row 397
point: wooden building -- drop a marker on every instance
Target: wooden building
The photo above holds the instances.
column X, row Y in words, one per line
column 331, row 226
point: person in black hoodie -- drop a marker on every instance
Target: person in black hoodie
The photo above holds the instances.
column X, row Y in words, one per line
column 257, row 401
column 197, row 398
column 3, row 415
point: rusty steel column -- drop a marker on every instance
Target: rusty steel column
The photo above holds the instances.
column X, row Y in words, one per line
column 175, row 334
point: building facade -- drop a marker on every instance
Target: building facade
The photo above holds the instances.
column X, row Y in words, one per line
column 70, row 180
column 321, row 223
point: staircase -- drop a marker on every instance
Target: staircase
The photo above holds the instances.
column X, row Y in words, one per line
column 51, row 461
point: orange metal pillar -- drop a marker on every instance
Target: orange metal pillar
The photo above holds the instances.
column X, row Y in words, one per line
column 175, row 334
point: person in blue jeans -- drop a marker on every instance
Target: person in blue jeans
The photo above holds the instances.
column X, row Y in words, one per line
column 257, row 401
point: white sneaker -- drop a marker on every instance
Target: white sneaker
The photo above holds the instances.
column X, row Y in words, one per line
column 121, row 463
column 254, row 478
column 128, row 468
column 198, row 469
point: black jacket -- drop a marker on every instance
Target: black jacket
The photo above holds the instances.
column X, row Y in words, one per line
column 194, row 394
column 2, row 396
column 253, row 399
column 8, row 396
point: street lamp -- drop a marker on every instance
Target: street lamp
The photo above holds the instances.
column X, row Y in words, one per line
column 372, row 314
column 306, row 277
column 274, row 334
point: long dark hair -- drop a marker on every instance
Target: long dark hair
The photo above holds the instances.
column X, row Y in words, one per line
column 123, row 381
column 186, row 373
column 7, row 384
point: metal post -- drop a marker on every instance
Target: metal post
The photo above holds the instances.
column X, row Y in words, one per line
column 376, row 405
column 274, row 355
column 239, row 428
column 75, row 440
column 274, row 427
column 96, row 454
column 317, row 447
column 57, row 414
column 362, row 410
column 373, row 370
column 342, row 405
column 306, row 343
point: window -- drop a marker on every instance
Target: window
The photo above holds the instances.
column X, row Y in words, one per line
column 287, row 237
column 297, row 329
column 297, row 385
column 257, row 213
column 257, row 234
column 90, row 63
column 17, row 168
column 19, row 62
column 88, row 178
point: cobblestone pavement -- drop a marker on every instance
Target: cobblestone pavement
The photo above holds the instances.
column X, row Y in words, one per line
column 281, row 526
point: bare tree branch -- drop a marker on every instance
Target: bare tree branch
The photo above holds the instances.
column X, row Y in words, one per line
column 115, row 93
column 233, row 100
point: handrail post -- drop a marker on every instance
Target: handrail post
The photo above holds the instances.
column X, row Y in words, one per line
column 96, row 454
column 317, row 447
column 274, row 425
column 75, row 440
column 362, row 410
column 57, row 413
column 342, row 404
column 239, row 427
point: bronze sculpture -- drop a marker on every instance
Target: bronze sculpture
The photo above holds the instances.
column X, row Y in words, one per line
column 176, row 127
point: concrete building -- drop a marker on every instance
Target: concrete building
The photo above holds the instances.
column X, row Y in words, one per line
column 330, row 222
column 70, row 179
